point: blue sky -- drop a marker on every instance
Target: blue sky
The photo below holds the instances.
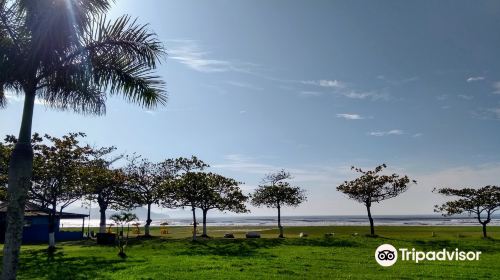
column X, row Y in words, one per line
column 315, row 87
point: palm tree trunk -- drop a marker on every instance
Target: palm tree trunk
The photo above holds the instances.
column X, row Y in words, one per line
column 205, row 223
column 148, row 221
column 194, row 223
column 20, row 170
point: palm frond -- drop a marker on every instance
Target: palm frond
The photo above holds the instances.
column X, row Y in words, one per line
column 126, row 38
column 134, row 80
column 72, row 87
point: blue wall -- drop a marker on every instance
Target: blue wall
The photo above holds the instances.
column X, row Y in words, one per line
column 36, row 231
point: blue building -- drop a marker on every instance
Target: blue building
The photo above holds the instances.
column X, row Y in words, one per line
column 36, row 224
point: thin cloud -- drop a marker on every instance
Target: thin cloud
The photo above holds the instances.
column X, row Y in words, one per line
column 465, row 97
column 189, row 53
column 487, row 114
column 496, row 87
column 474, row 79
column 243, row 85
column 386, row 133
column 325, row 83
column 321, row 174
column 341, row 88
column 350, row 116
column 310, row 93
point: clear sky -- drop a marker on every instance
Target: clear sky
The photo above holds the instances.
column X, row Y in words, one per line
column 315, row 87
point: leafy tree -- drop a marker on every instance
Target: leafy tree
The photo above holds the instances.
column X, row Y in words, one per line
column 121, row 219
column 68, row 54
column 221, row 193
column 186, row 191
column 145, row 183
column 373, row 187
column 105, row 185
column 482, row 203
column 5, row 152
column 57, row 175
column 276, row 193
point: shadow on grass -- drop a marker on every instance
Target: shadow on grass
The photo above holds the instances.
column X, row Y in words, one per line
column 251, row 247
column 36, row 264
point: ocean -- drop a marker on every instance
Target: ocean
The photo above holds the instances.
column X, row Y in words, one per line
column 358, row 220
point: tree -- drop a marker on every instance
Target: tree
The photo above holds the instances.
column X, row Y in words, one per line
column 105, row 185
column 221, row 193
column 145, row 183
column 185, row 189
column 276, row 193
column 372, row 187
column 5, row 152
column 68, row 54
column 482, row 203
column 57, row 177
column 120, row 220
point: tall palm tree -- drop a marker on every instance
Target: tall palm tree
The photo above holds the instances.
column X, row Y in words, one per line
column 67, row 54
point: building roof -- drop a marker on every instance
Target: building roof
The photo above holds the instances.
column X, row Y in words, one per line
column 35, row 210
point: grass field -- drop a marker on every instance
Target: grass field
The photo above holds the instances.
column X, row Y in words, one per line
column 345, row 256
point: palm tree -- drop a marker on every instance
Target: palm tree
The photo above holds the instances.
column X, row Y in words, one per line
column 121, row 219
column 67, row 54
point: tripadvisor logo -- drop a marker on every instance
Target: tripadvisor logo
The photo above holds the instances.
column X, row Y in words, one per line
column 387, row 255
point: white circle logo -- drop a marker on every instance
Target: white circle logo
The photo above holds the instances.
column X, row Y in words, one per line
column 386, row 255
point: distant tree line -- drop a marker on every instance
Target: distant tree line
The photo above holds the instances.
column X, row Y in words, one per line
column 65, row 171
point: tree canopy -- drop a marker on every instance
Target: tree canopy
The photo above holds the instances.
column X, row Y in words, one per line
column 481, row 202
column 277, row 193
column 372, row 187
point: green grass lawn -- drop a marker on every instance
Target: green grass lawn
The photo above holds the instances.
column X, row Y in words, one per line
column 344, row 256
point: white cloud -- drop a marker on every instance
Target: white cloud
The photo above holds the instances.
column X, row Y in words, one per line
column 487, row 114
column 350, row 116
column 189, row 53
column 419, row 134
column 310, row 93
column 363, row 95
column 496, row 87
column 442, row 97
column 474, row 79
column 243, row 112
column 386, row 133
column 319, row 174
column 395, row 82
column 465, row 97
column 325, row 83
column 243, row 85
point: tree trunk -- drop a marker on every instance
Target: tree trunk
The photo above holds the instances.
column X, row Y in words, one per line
column 279, row 222
column 372, row 227
column 484, row 230
column 20, row 170
column 205, row 223
column 52, row 228
column 102, row 221
column 194, row 223
column 148, row 221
